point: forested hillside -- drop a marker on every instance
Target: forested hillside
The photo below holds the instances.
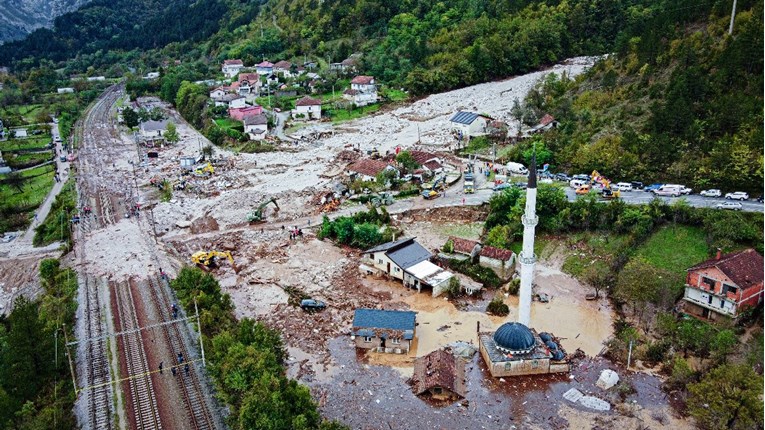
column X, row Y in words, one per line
column 681, row 101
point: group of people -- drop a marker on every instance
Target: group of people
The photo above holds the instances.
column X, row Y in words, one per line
column 295, row 232
column 174, row 369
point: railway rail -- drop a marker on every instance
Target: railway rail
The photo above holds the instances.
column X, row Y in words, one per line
column 141, row 390
column 190, row 386
column 98, row 375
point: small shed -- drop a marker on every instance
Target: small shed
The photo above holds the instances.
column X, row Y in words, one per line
column 439, row 375
column 608, row 378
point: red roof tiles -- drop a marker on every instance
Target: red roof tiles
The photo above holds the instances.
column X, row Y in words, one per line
column 439, row 369
column 463, row 246
column 363, row 80
column 308, row 101
column 496, row 253
column 745, row 268
column 368, row 167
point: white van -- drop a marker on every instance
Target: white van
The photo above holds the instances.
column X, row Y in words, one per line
column 517, row 168
column 669, row 190
column 577, row 183
column 623, row 186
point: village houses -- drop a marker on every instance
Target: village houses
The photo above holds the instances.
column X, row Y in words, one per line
column 256, row 126
column 283, row 68
column 409, row 262
column 468, row 124
column 723, row 286
column 383, row 331
column 231, row 101
column 307, row 108
column 363, row 91
column 232, row 67
column 439, row 375
column 240, row 114
column 264, row 68
column 366, row 169
column 502, row 261
column 249, row 83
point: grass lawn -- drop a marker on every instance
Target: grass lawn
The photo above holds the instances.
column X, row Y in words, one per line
column 26, row 112
column 34, row 190
column 591, row 249
column 56, row 224
column 540, row 243
column 230, row 123
column 471, row 230
column 675, row 248
column 20, row 161
column 342, row 115
column 31, row 143
column 394, row 95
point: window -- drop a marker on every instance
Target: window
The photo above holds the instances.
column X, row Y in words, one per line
column 534, row 364
column 396, row 341
column 437, row 390
column 729, row 289
column 397, row 269
column 379, row 261
column 367, row 339
column 708, row 283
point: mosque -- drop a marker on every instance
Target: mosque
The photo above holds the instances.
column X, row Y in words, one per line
column 515, row 349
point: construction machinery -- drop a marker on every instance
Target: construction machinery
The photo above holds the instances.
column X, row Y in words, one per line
column 430, row 194
column 208, row 260
column 204, row 170
column 610, row 194
column 256, row 215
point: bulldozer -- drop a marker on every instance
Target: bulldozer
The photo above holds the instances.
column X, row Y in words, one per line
column 208, row 260
column 609, row 194
column 256, row 215
column 205, row 170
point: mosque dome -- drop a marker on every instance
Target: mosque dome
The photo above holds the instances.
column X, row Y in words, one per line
column 514, row 337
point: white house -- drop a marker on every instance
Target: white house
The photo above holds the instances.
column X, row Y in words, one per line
column 468, row 124
column 283, row 68
column 231, row 101
column 307, row 108
column 256, row 126
column 96, row 78
column 232, row 67
column 264, row 68
column 20, row 132
column 153, row 129
column 249, row 83
column 152, row 75
column 217, row 93
column 362, row 92
column 65, row 90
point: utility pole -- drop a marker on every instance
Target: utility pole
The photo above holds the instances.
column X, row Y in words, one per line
column 732, row 18
column 199, row 327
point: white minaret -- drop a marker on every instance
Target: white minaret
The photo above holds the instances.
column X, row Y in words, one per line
column 527, row 257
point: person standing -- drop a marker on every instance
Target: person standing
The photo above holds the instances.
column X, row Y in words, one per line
column 160, row 367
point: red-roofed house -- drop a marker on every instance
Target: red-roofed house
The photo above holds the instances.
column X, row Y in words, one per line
column 367, row 169
column 307, row 108
column 546, row 123
column 241, row 113
column 283, row 67
column 232, row 67
column 249, row 83
column 439, row 375
column 217, row 93
column 725, row 285
column 264, row 68
column 500, row 260
column 362, row 92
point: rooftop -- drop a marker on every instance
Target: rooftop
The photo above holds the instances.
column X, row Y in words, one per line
column 308, row 101
column 363, row 80
column 152, row 125
column 409, row 255
column 283, row 65
column 233, row 63
column 383, row 319
column 439, row 369
column 496, row 253
column 421, row 157
column 497, row 356
column 265, row 64
column 462, row 117
column 259, row 119
column 368, row 167
column 745, row 268
column 463, row 246
column 248, row 77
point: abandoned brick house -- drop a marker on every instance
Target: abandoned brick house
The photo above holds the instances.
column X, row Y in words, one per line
column 502, row 261
column 723, row 286
column 515, row 350
column 383, row 331
column 407, row 261
column 439, row 375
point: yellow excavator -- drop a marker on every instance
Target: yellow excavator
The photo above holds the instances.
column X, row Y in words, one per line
column 208, row 260
column 205, row 170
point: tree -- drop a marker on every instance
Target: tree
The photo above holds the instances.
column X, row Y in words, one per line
column 130, row 117
column 15, row 180
column 407, row 161
column 640, row 284
column 727, row 397
column 722, row 345
column 171, row 135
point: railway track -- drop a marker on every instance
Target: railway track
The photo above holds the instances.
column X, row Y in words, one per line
column 141, row 390
column 190, row 386
column 98, row 388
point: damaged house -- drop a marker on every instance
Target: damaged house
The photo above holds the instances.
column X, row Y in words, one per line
column 502, row 261
column 383, row 331
column 407, row 261
column 439, row 375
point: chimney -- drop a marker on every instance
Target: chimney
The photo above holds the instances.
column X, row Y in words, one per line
column 719, row 254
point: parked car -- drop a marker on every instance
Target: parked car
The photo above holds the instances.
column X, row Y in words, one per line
column 669, row 190
column 576, row 183
column 502, row 186
column 62, row 158
column 584, row 189
column 521, row 185
column 582, row 177
column 738, row 195
column 623, row 186
column 734, row 206
column 711, row 193
column 652, row 187
column 685, row 190
column 637, row 185
column 430, row 194
column 312, row 305
column 562, row 177
column 759, row 199
column 57, row 139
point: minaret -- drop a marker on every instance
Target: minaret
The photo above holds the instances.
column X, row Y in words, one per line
column 527, row 257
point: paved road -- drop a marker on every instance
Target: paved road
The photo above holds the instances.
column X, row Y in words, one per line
column 42, row 211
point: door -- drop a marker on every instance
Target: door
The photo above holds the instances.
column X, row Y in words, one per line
column 389, row 269
column 710, row 299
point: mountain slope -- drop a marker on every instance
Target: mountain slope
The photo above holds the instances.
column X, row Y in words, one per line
column 20, row 17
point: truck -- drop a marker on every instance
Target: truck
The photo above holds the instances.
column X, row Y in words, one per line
column 469, row 185
column 517, row 168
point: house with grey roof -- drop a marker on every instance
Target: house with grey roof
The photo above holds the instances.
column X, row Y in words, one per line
column 383, row 331
column 408, row 261
column 468, row 124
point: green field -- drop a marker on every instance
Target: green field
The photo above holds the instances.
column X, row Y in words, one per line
column 230, row 123
column 342, row 115
column 591, row 249
column 471, row 230
column 31, row 143
column 675, row 248
column 394, row 95
column 21, row 161
column 25, row 113
column 34, row 189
